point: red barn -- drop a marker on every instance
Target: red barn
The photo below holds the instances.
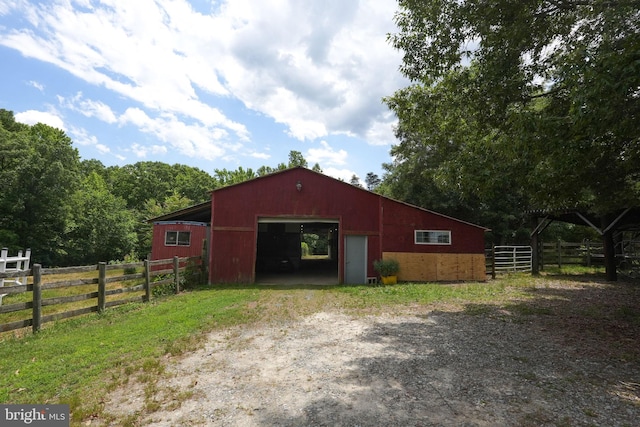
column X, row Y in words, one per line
column 301, row 223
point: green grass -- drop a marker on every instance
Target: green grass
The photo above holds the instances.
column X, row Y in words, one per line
column 81, row 356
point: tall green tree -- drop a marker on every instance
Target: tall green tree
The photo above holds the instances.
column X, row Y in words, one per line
column 554, row 85
column 39, row 175
column 141, row 181
column 297, row 159
column 101, row 227
column 226, row 177
column 535, row 100
column 372, row 180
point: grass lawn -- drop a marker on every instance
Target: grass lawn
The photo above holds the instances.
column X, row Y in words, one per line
column 78, row 360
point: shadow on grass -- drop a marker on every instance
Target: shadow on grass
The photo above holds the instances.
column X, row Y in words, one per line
column 568, row 355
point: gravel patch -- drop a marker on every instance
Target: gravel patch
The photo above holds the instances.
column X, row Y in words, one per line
column 421, row 366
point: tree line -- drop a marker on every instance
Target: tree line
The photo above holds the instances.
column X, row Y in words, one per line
column 74, row 212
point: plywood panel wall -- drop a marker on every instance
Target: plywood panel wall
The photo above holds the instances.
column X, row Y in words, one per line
column 422, row 267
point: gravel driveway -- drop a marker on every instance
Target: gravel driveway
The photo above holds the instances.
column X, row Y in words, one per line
column 474, row 365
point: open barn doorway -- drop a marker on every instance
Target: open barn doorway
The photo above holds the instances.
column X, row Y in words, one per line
column 297, row 251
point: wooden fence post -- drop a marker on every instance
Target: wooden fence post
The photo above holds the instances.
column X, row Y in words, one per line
column 147, row 281
column 559, row 254
column 37, row 298
column 102, row 286
column 588, row 253
column 493, row 262
column 176, row 273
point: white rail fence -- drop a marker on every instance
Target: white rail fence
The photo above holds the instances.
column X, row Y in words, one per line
column 512, row 259
column 12, row 265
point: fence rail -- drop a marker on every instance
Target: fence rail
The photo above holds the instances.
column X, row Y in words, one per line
column 511, row 259
column 141, row 284
column 561, row 253
column 501, row 259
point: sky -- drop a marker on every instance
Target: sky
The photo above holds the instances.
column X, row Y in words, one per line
column 209, row 84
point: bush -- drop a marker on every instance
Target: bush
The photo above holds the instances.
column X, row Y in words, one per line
column 193, row 275
column 164, row 289
column 386, row 267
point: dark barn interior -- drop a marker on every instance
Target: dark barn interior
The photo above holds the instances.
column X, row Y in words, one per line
column 299, row 252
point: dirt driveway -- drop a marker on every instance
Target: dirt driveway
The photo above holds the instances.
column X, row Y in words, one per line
column 543, row 363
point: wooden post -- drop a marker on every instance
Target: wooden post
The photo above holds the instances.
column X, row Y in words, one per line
column 3, row 264
column 609, row 256
column 176, row 273
column 102, row 286
column 36, row 320
column 559, row 254
column 493, row 261
column 147, row 281
column 588, row 253
column 535, row 255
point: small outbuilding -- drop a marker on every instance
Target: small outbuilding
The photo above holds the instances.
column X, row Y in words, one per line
column 298, row 223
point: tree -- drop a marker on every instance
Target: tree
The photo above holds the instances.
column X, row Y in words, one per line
column 544, row 94
column 297, row 159
column 193, row 183
column 101, row 227
column 226, row 177
column 355, row 181
column 141, row 181
column 39, row 175
column 372, row 180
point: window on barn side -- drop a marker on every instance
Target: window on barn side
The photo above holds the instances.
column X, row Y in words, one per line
column 177, row 238
column 432, row 237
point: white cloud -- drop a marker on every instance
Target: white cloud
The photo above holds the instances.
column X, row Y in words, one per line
column 143, row 151
column 343, row 174
column 326, row 155
column 319, row 67
column 263, row 156
column 194, row 140
column 89, row 108
column 36, row 85
column 31, row 117
column 103, row 149
column 81, row 137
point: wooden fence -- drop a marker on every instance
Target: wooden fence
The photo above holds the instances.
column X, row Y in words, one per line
column 140, row 283
column 561, row 253
column 505, row 259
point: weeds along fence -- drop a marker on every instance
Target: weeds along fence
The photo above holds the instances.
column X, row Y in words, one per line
column 59, row 293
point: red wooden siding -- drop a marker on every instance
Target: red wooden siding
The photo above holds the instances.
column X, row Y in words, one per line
column 160, row 251
column 401, row 220
column 388, row 224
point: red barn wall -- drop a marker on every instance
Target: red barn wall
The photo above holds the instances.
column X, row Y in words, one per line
column 235, row 211
column 160, row 251
column 401, row 220
column 389, row 225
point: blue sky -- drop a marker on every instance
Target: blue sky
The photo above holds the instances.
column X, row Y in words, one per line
column 210, row 84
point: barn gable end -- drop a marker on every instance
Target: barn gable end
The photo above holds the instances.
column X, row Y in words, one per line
column 258, row 223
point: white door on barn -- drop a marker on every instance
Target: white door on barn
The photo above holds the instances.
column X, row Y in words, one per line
column 355, row 260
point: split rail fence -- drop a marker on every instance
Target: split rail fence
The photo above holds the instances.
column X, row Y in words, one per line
column 108, row 289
